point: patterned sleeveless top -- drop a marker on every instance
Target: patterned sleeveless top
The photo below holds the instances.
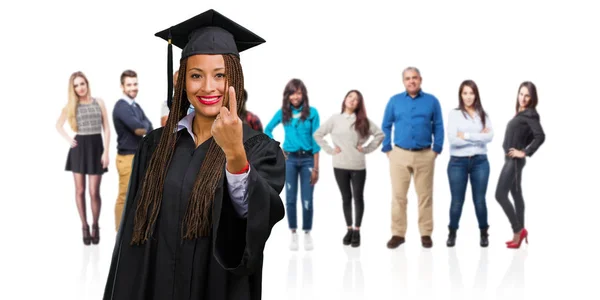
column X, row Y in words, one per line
column 89, row 118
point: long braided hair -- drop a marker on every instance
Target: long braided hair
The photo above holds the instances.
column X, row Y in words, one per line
column 197, row 221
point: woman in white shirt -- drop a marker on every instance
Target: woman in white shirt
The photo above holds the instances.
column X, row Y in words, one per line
column 469, row 132
column 349, row 131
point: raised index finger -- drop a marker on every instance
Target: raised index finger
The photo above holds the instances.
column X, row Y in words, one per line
column 232, row 102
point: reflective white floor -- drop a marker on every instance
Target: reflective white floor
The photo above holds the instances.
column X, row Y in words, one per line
column 66, row 270
column 45, row 258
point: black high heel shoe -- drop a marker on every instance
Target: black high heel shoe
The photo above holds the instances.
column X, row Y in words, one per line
column 95, row 234
column 87, row 239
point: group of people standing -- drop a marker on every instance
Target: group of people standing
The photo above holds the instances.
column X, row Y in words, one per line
column 417, row 138
column 89, row 154
column 412, row 136
column 89, row 151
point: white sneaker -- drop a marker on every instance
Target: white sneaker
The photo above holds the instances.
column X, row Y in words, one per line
column 308, row 242
column 294, row 243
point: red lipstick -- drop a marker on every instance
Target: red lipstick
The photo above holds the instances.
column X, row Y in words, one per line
column 209, row 100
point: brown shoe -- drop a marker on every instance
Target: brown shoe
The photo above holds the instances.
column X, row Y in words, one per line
column 395, row 241
column 426, row 241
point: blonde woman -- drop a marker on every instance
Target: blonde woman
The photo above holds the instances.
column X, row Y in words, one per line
column 88, row 154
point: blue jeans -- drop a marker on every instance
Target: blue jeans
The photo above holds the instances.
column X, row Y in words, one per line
column 460, row 170
column 299, row 166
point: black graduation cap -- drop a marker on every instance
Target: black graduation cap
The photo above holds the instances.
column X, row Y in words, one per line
column 207, row 33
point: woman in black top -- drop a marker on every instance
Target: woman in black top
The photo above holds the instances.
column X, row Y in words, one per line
column 523, row 137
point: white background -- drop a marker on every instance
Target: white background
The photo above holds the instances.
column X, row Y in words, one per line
column 333, row 47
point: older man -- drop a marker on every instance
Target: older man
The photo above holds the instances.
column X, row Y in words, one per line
column 418, row 138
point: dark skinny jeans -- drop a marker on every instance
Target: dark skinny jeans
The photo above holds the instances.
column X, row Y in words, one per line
column 351, row 183
column 510, row 181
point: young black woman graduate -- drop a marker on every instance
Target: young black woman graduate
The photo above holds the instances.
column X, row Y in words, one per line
column 204, row 189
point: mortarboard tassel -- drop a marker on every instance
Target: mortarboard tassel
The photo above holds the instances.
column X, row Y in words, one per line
column 169, row 72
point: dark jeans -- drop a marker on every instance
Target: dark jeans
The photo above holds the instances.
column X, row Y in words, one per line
column 460, row 171
column 510, row 181
column 352, row 183
column 299, row 166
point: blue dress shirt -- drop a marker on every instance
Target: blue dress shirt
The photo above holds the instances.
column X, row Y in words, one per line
column 415, row 121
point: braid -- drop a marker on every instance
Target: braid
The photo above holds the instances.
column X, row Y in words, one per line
column 152, row 188
column 197, row 220
column 233, row 66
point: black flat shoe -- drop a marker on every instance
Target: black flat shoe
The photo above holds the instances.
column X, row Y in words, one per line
column 484, row 242
column 451, row 238
column 355, row 238
column 348, row 237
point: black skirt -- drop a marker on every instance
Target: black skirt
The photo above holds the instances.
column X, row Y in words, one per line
column 86, row 157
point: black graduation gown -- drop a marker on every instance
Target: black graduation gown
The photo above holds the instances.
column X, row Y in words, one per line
column 225, row 265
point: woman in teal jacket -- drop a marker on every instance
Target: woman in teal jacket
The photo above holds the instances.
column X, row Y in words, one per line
column 300, row 121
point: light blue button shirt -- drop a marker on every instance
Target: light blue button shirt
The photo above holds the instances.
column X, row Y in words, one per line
column 475, row 142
